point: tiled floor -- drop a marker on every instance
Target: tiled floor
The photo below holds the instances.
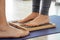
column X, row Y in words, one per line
column 18, row 9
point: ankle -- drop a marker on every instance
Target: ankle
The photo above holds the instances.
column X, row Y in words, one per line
column 3, row 24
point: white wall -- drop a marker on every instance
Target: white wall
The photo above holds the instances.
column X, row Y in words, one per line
column 9, row 9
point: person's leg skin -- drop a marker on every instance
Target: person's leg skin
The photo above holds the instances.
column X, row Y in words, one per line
column 5, row 29
column 35, row 12
column 43, row 18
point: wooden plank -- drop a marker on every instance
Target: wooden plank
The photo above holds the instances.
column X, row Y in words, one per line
column 50, row 25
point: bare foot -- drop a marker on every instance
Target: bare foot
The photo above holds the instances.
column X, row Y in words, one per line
column 8, row 31
column 30, row 17
column 41, row 19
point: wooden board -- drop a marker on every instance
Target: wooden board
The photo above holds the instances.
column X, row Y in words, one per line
column 41, row 27
column 49, row 25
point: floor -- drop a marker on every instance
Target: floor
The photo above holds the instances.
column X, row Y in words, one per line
column 16, row 8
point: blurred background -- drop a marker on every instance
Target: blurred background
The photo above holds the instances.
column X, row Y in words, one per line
column 18, row 9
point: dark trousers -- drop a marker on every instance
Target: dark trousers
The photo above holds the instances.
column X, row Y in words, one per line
column 45, row 6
